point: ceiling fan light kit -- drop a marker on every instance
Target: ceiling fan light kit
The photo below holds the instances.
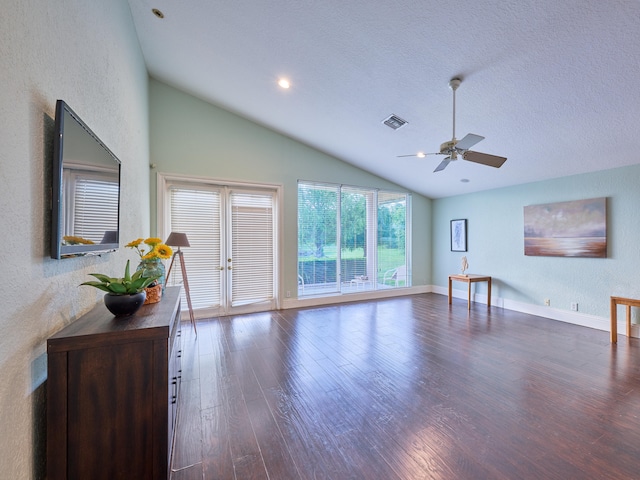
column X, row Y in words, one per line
column 453, row 147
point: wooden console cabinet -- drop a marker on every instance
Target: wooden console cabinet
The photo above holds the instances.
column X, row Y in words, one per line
column 112, row 393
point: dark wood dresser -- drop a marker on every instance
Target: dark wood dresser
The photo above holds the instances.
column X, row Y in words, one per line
column 112, row 393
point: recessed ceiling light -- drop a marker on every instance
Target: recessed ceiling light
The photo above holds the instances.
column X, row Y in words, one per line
column 284, row 83
column 464, row 180
column 157, row 13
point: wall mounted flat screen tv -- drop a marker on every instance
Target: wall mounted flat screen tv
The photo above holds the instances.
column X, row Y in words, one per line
column 85, row 216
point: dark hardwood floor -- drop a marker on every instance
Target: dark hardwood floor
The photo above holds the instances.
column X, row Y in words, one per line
column 406, row 388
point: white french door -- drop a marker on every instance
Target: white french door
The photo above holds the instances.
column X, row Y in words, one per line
column 250, row 248
column 232, row 261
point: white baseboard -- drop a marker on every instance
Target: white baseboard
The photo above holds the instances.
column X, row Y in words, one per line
column 313, row 301
column 352, row 297
column 575, row 318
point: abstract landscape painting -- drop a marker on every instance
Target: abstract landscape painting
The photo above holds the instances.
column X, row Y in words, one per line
column 566, row 229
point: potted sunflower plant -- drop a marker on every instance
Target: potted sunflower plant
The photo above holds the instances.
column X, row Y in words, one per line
column 152, row 251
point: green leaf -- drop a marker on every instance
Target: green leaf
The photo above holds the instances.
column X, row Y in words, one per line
column 103, row 278
column 136, row 275
column 138, row 284
column 117, row 288
column 98, row 285
column 127, row 276
column 149, row 281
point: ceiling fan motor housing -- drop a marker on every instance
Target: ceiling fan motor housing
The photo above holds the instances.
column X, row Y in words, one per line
column 447, row 147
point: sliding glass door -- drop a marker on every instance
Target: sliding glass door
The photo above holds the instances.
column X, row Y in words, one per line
column 351, row 239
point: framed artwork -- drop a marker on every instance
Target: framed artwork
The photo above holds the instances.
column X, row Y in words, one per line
column 566, row 229
column 459, row 235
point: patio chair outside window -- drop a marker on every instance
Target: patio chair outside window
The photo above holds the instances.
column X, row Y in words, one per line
column 396, row 275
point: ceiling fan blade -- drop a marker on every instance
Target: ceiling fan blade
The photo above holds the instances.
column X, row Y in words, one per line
column 484, row 159
column 443, row 165
column 420, row 155
column 469, row 140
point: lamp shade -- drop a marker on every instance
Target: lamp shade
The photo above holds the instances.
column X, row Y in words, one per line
column 177, row 239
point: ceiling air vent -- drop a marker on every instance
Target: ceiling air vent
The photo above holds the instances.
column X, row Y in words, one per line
column 394, row 122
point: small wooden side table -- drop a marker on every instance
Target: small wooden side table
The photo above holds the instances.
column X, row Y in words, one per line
column 471, row 278
column 615, row 301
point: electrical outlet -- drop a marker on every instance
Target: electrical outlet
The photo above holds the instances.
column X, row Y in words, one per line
column 547, row 302
column 288, row 293
column 574, row 307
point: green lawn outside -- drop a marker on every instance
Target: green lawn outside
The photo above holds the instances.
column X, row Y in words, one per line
column 388, row 258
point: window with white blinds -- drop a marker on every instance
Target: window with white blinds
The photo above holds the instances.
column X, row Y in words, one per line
column 357, row 232
column 318, row 231
column 196, row 211
column 351, row 238
column 392, row 239
column 252, row 247
column 93, row 204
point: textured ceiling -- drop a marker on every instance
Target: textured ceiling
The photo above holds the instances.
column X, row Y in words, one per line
column 552, row 84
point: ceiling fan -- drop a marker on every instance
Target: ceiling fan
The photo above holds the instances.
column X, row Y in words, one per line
column 454, row 147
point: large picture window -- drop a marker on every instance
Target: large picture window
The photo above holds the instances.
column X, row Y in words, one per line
column 351, row 239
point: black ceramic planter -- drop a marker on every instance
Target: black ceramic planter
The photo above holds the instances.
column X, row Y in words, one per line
column 124, row 305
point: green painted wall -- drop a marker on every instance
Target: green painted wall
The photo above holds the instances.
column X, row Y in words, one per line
column 496, row 244
column 192, row 137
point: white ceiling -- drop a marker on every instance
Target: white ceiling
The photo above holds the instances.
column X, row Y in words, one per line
column 552, row 84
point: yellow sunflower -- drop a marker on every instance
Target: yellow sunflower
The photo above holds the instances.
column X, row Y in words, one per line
column 135, row 243
column 153, row 241
column 163, row 251
column 159, row 251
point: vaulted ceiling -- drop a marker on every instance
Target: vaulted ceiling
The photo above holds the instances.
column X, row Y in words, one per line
column 553, row 85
